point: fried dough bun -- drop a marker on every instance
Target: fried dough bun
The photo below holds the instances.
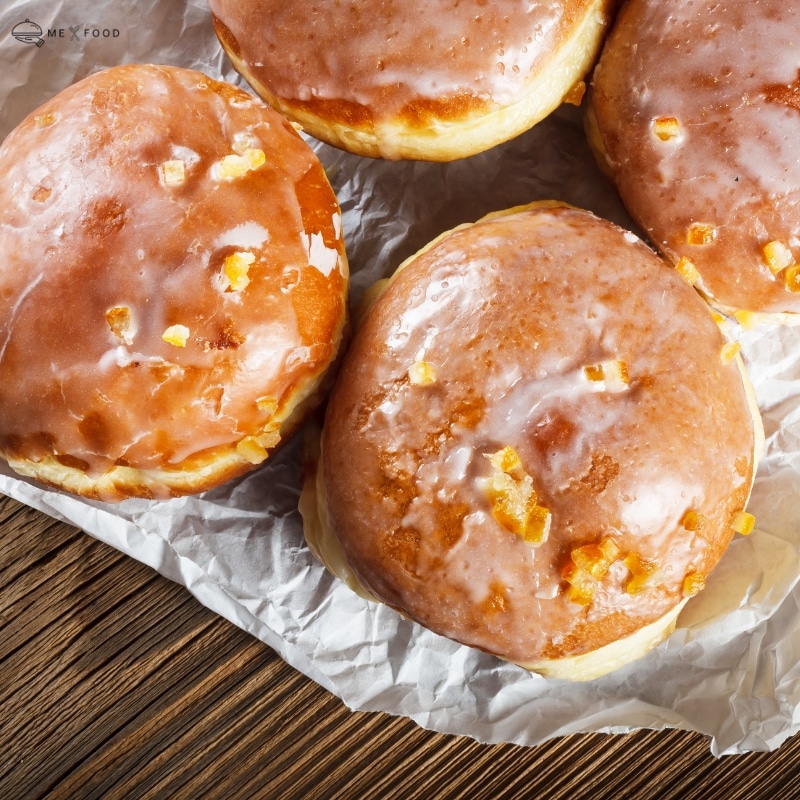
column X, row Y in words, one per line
column 695, row 117
column 539, row 445
column 172, row 288
column 432, row 80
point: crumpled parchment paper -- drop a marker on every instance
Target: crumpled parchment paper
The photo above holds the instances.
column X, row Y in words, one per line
column 732, row 668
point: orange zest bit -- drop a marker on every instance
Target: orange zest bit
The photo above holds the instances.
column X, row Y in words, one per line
column 643, row 573
column 693, row 583
column 700, row 233
column 666, row 128
column 588, row 565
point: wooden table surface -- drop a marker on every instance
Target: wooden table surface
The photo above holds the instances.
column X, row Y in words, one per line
column 117, row 683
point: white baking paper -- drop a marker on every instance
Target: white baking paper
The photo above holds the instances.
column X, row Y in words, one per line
column 732, row 668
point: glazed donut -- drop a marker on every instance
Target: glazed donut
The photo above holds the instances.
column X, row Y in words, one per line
column 694, row 116
column 172, row 288
column 432, row 80
column 540, row 443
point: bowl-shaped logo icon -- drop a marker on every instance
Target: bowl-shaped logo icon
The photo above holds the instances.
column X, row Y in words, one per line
column 28, row 32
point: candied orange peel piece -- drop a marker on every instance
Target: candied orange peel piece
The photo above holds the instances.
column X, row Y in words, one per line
column 644, row 574
column 700, row 233
column 507, row 461
column 120, row 321
column 575, row 95
column 596, row 558
column 729, row 351
column 587, row 566
column 743, row 523
column 236, row 268
column 612, row 374
column 270, row 436
column 44, row 120
column 778, row 256
column 176, row 335
column 173, row 172
column 422, row 373
column 252, row 450
column 693, row 583
column 666, row 128
column 267, row 404
column 236, row 165
column 582, row 586
column 41, row 194
column 687, row 270
column 254, row 157
column 513, row 499
column 791, row 278
column 693, row 520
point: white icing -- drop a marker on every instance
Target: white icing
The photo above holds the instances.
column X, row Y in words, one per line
column 185, row 154
column 320, row 256
column 245, row 235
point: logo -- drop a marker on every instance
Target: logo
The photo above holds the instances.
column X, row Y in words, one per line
column 28, row 32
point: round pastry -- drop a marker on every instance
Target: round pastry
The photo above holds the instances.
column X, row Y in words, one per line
column 695, row 115
column 539, row 444
column 172, row 288
column 429, row 80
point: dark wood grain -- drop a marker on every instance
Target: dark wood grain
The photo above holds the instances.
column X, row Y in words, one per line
column 117, row 683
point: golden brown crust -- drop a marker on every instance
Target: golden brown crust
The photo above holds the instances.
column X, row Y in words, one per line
column 486, row 341
column 175, row 285
column 433, row 80
column 693, row 116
